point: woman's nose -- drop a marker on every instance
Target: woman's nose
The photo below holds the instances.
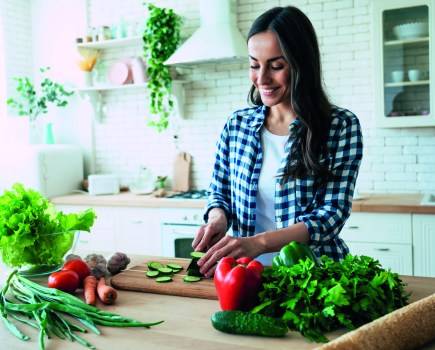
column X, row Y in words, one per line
column 263, row 76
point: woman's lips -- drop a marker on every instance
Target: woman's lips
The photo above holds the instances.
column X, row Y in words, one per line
column 268, row 92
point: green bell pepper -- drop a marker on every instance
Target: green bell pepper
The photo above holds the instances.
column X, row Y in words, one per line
column 291, row 253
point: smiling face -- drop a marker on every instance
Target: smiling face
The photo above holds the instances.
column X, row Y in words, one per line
column 269, row 70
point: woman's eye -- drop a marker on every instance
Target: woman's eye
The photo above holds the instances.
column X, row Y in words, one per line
column 255, row 67
column 277, row 68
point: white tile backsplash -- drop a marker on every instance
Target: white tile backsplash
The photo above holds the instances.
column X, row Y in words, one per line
column 395, row 160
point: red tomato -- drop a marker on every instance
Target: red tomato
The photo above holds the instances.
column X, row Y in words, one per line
column 79, row 267
column 66, row 281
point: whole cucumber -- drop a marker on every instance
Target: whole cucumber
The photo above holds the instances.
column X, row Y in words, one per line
column 240, row 322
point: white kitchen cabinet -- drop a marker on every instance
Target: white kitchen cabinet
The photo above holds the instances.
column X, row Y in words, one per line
column 103, row 232
column 129, row 230
column 424, row 244
column 383, row 236
column 403, row 99
column 138, row 230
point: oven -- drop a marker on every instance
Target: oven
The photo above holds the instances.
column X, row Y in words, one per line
column 178, row 230
column 180, row 225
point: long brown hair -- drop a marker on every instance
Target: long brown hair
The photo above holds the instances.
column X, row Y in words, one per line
column 299, row 45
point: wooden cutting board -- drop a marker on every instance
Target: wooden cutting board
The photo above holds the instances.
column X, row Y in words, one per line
column 181, row 172
column 134, row 279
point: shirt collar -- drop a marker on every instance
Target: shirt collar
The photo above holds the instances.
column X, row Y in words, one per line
column 259, row 116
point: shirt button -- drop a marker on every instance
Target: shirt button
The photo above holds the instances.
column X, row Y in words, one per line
column 277, row 186
column 278, row 219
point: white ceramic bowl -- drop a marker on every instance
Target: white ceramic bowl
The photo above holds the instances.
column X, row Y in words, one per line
column 397, row 76
column 411, row 30
column 415, row 75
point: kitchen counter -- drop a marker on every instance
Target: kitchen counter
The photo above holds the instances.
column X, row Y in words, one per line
column 392, row 203
column 187, row 324
column 375, row 203
column 128, row 199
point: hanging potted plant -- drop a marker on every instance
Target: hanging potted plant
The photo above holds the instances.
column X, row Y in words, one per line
column 30, row 104
column 161, row 37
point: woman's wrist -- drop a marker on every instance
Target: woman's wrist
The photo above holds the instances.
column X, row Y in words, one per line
column 217, row 215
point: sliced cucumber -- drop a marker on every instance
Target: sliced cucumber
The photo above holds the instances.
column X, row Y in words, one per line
column 164, row 279
column 154, row 265
column 175, row 267
column 152, row 273
column 196, row 255
column 192, row 279
column 165, row 271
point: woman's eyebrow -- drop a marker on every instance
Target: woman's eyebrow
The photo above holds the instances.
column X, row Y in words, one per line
column 269, row 60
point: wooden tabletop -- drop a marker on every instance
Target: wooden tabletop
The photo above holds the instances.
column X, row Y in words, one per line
column 186, row 325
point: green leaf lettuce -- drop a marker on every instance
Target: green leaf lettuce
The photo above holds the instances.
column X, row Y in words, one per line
column 32, row 232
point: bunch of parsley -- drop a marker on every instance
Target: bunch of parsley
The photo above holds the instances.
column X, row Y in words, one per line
column 32, row 232
column 314, row 299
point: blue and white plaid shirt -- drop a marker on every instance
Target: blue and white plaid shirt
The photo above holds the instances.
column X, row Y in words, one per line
column 237, row 169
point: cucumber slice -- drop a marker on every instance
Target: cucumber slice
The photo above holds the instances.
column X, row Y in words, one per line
column 164, row 279
column 165, row 271
column 196, row 255
column 152, row 274
column 175, row 267
column 154, row 265
column 192, row 279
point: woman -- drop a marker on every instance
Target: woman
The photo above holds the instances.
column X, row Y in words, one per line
column 285, row 168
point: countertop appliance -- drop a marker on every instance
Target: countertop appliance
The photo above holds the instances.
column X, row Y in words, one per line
column 53, row 170
column 103, row 184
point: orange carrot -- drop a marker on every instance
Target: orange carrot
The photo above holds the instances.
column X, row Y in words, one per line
column 106, row 293
column 89, row 289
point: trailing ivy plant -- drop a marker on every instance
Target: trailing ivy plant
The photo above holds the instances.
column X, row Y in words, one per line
column 30, row 104
column 161, row 37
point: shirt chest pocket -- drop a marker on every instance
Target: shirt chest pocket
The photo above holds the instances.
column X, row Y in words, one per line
column 305, row 190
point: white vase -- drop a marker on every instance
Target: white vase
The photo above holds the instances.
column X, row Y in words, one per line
column 35, row 132
column 88, row 80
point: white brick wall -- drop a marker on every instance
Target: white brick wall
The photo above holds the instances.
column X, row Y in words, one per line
column 395, row 160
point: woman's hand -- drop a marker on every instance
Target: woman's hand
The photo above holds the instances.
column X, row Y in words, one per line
column 208, row 235
column 235, row 247
column 212, row 232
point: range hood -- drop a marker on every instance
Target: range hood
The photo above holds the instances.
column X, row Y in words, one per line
column 218, row 40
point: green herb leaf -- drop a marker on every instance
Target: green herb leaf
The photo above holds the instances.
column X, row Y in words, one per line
column 316, row 299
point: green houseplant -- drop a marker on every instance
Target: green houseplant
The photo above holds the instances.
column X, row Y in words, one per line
column 30, row 104
column 161, row 37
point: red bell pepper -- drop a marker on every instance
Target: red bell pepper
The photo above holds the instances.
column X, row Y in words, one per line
column 238, row 282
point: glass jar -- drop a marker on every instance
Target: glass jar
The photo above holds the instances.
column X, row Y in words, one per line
column 104, row 33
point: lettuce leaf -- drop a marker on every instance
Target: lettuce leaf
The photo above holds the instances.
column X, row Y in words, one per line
column 32, row 232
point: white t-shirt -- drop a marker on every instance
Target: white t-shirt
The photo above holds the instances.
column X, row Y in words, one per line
column 273, row 150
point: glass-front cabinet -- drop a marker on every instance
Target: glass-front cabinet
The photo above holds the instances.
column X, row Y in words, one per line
column 404, row 63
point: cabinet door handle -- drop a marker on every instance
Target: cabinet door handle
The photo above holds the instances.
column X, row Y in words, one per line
column 353, row 227
column 136, row 221
column 382, row 249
